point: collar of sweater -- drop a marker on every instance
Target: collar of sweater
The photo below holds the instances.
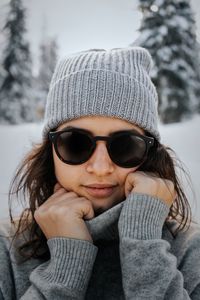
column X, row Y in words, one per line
column 105, row 225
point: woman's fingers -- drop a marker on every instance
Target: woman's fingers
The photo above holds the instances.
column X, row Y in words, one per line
column 63, row 214
column 57, row 186
column 150, row 184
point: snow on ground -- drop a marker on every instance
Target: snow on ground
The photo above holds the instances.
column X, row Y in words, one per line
column 183, row 137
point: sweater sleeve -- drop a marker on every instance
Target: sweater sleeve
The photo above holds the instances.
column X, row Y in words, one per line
column 66, row 275
column 149, row 269
column 7, row 285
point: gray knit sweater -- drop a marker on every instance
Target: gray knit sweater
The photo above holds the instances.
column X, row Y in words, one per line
column 134, row 256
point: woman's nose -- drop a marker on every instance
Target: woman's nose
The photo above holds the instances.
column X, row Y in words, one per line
column 100, row 162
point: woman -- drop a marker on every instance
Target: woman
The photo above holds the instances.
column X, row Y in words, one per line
column 107, row 216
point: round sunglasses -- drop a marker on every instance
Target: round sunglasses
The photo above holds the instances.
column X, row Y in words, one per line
column 126, row 148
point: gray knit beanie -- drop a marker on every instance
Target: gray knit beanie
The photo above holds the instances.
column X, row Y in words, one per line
column 114, row 83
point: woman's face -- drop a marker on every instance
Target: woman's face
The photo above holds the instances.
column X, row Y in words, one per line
column 99, row 169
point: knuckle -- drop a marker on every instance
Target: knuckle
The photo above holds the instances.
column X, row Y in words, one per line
column 86, row 201
column 55, row 212
column 60, row 190
column 52, row 210
column 89, row 206
column 38, row 212
column 60, row 210
column 154, row 181
column 73, row 194
column 170, row 184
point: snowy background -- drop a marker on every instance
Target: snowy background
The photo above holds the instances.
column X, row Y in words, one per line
column 184, row 139
column 78, row 25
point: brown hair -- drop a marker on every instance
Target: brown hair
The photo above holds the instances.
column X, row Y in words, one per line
column 35, row 176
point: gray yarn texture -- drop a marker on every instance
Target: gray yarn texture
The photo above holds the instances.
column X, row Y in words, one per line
column 114, row 83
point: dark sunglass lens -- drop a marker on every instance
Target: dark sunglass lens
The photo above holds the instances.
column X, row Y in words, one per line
column 74, row 147
column 128, row 150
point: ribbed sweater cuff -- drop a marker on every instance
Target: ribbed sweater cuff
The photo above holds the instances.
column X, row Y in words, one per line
column 71, row 262
column 142, row 217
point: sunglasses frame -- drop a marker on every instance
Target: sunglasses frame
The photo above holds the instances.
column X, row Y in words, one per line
column 53, row 136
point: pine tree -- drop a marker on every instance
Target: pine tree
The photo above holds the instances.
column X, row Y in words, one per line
column 198, row 67
column 48, row 59
column 2, row 42
column 15, row 101
column 1, row 73
column 168, row 32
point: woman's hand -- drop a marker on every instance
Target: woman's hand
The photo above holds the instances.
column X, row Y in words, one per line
column 63, row 214
column 147, row 183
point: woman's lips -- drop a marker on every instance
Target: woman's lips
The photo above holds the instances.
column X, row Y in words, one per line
column 100, row 192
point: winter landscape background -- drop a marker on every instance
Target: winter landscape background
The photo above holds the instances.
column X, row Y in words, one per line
column 55, row 29
column 184, row 139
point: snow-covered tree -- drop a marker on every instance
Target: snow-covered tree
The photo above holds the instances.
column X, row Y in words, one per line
column 168, row 32
column 198, row 66
column 2, row 41
column 48, row 59
column 16, row 105
column 1, row 73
